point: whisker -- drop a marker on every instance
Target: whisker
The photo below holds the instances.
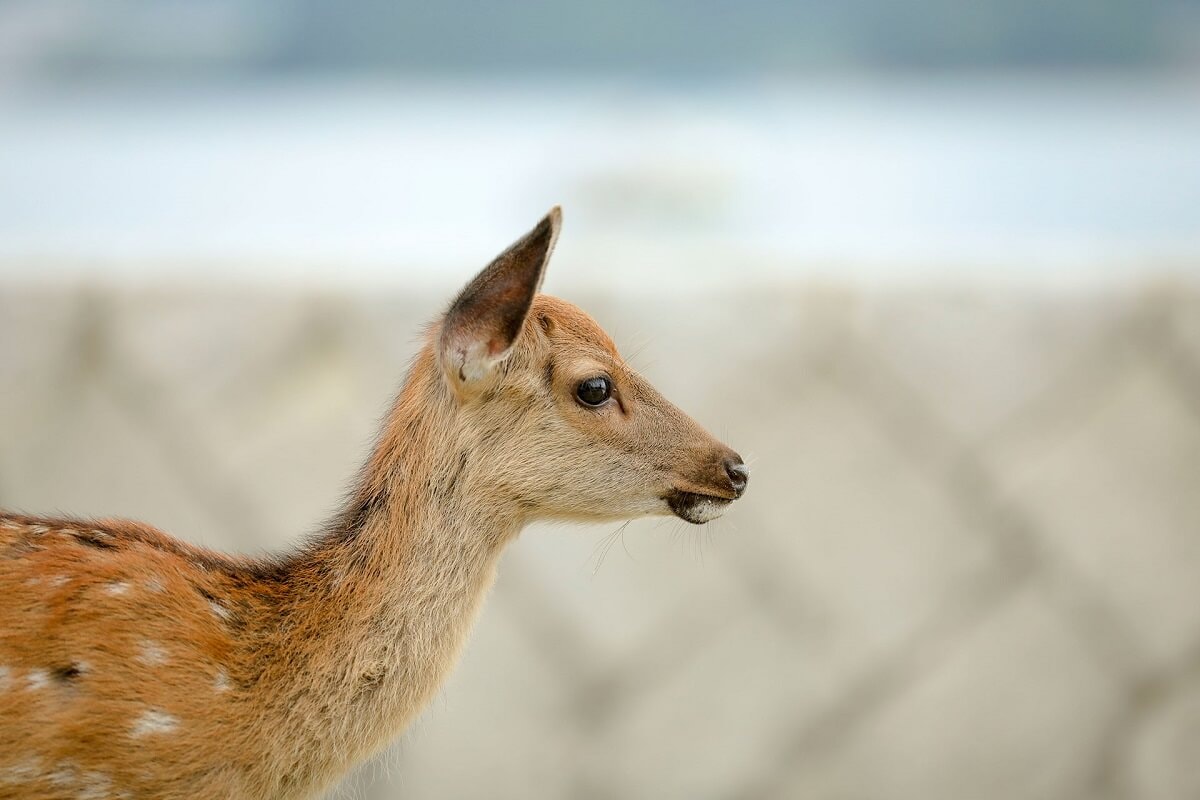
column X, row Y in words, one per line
column 625, row 547
column 606, row 544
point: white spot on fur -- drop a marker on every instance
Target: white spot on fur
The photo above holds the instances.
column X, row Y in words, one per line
column 96, row 786
column 63, row 775
column 152, row 653
column 25, row 771
column 59, row 580
column 117, row 588
column 5, row 678
column 221, row 611
column 221, row 682
column 34, row 581
column 38, row 530
column 9, row 525
column 155, row 585
column 37, row 679
column 154, row 721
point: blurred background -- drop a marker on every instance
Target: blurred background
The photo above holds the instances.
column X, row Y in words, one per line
column 931, row 266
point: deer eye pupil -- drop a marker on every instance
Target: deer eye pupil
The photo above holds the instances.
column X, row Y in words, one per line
column 594, row 391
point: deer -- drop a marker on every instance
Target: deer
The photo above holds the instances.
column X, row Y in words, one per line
column 136, row 665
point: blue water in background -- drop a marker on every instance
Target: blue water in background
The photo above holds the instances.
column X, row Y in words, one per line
column 987, row 178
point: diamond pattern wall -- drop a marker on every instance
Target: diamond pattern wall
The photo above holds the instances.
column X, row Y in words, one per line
column 968, row 565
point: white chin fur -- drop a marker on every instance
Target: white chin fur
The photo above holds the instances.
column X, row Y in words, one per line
column 703, row 511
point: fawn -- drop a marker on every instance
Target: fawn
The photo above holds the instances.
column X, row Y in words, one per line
column 135, row 665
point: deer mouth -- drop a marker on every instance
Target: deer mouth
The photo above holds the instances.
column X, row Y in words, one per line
column 694, row 507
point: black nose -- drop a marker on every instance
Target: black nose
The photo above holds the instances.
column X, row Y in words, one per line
column 739, row 474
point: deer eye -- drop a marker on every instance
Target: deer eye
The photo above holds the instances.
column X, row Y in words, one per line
column 594, row 391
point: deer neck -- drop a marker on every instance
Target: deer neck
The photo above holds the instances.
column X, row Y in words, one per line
column 381, row 605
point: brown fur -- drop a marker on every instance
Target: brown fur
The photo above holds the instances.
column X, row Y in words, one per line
column 136, row 665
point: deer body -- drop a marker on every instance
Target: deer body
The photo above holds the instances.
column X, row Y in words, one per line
column 135, row 665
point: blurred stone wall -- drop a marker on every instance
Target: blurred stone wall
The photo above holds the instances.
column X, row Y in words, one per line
column 967, row 567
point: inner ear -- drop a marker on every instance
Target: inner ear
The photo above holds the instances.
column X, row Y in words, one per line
column 485, row 319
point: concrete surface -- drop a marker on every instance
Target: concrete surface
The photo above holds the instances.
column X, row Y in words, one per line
column 968, row 565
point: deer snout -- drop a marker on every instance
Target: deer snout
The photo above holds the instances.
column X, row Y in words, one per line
column 719, row 473
column 721, row 480
column 738, row 474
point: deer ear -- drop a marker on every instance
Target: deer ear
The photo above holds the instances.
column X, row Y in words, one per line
column 483, row 321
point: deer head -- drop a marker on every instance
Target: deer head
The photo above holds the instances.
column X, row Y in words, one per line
column 559, row 420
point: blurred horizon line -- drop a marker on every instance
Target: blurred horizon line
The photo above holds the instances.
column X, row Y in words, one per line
column 1080, row 178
